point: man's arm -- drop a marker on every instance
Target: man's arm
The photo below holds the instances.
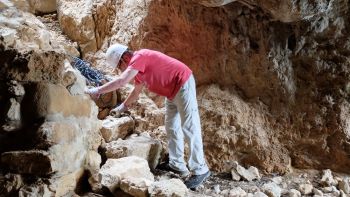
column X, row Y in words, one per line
column 133, row 95
column 131, row 98
column 119, row 82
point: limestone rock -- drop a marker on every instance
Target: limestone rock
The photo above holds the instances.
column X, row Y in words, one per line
column 24, row 32
column 344, row 185
column 93, row 161
column 21, row 5
column 137, row 187
column 78, row 26
column 237, row 191
column 29, row 162
column 306, row 188
column 52, row 133
column 103, row 13
column 65, row 184
column 142, row 146
column 235, row 175
column 317, row 192
column 115, row 170
column 16, row 89
column 114, row 128
column 294, row 193
column 13, row 116
column 259, row 194
column 171, row 187
column 272, row 189
column 52, row 100
column 43, row 6
column 252, row 173
column 327, row 178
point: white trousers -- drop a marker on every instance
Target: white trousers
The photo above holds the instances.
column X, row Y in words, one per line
column 182, row 124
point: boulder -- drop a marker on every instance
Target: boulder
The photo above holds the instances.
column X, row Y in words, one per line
column 115, row 170
column 142, row 146
column 114, row 128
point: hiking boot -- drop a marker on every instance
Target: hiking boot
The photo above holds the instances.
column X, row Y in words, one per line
column 166, row 167
column 195, row 180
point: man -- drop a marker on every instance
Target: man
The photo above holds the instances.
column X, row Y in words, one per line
column 171, row 78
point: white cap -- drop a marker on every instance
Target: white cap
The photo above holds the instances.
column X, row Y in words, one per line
column 114, row 53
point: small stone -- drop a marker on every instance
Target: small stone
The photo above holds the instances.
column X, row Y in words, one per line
column 272, row 189
column 217, row 189
column 259, row 194
column 235, row 175
column 344, row 185
column 306, row 189
column 327, row 178
column 278, row 180
column 238, row 192
column 294, row 193
column 317, row 192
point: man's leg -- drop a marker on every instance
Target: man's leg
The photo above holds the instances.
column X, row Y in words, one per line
column 175, row 137
column 186, row 102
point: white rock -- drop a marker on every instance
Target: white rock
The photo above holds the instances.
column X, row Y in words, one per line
column 137, row 187
column 344, row 185
column 172, row 187
column 259, row 194
column 43, row 6
column 114, row 170
column 327, row 178
column 252, row 173
column 305, row 188
column 272, row 189
column 294, row 193
column 217, row 189
column 142, row 146
column 317, row 192
column 114, row 128
column 235, row 175
column 278, row 180
column 225, row 192
column 238, row 192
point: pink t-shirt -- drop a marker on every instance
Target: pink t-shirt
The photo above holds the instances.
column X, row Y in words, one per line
column 160, row 73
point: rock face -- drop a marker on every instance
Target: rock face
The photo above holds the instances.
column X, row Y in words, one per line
column 282, row 67
column 48, row 130
column 90, row 25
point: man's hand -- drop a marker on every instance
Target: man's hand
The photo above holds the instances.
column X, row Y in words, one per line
column 118, row 110
column 93, row 92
